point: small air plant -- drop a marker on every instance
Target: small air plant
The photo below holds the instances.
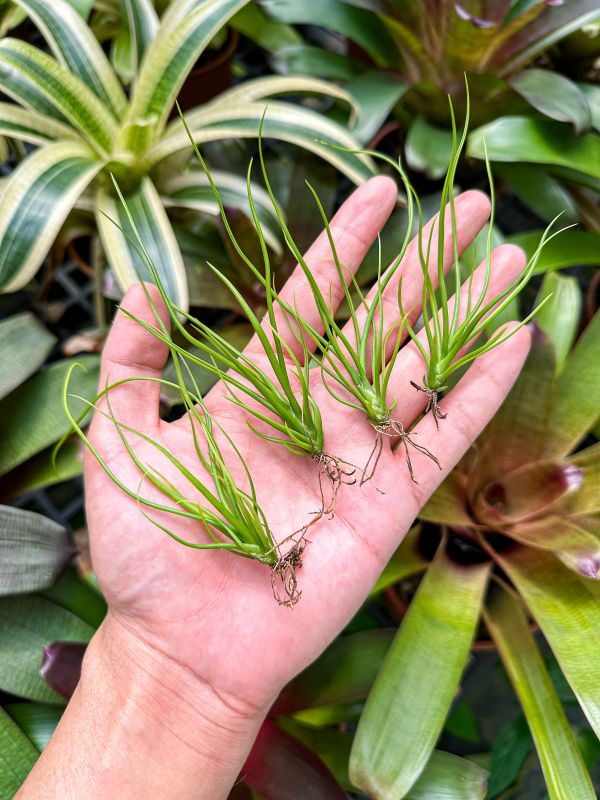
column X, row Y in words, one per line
column 446, row 336
column 231, row 511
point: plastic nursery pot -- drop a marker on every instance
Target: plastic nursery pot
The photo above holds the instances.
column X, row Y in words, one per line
column 210, row 76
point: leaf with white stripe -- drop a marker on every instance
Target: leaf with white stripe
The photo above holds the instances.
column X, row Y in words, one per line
column 193, row 190
column 143, row 23
column 156, row 233
column 61, row 89
column 168, row 61
column 77, row 49
column 31, row 126
column 283, row 121
column 35, row 203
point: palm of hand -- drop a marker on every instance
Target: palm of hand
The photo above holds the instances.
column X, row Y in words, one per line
column 213, row 612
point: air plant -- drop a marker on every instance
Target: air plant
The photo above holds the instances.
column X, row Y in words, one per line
column 231, row 511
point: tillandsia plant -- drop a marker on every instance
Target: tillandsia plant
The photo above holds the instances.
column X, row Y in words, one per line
column 232, row 511
column 70, row 105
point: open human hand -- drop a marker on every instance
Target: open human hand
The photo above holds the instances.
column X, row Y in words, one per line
column 212, row 613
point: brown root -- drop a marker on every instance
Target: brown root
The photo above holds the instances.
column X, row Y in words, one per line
column 284, row 580
column 394, row 428
column 338, row 472
column 432, row 403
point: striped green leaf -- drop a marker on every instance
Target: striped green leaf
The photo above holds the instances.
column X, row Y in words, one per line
column 406, row 709
column 192, row 190
column 569, row 617
column 167, row 62
column 17, row 756
column 562, row 763
column 68, row 96
column 143, row 23
column 31, row 126
column 77, row 49
column 34, row 205
column 283, row 121
column 156, row 232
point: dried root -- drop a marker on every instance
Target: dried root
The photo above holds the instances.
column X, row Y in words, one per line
column 283, row 575
column 432, row 403
column 394, row 428
column 338, row 472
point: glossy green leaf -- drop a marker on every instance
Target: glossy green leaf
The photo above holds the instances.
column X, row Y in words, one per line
column 564, row 770
column 560, row 316
column 155, row 230
column 357, row 24
column 462, row 723
column 36, row 201
column 38, row 721
column 62, row 90
column 543, row 193
column 74, row 593
column 17, row 756
column 33, row 551
column 591, row 93
column 404, row 716
column 25, row 345
column 555, row 96
column 344, row 673
column 569, row 537
column 569, row 617
column 283, row 121
column 302, row 59
column 31, row 126
column 575, row 396
column 27, row 624
column 32, row 417
column 428, row 148
column 509, row 751
column 407, row 560
column 570, row 249
column 449, row 777
column 376, row 94
column 75, row 46
column 177, row 45
column 271, row 36
column 536, row 141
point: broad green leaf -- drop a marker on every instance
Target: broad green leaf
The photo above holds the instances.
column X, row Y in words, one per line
column 462, row 723
column 449, row 777
column 448, row 505
column 560, row 316
column 407, row 560
column 536, row 141
column 33, row 551
column 38, row 721
column 575, row 395
column 32, row 417
column 517, row 433
column 570, row 249
column 408, row 704
column 142, row 27
column 309, row 60
column 25, row 345
column 510, row 749
column 330, row 745
column 428, row 149
column 27, row 625
column 376, row 94
column 271, row 36
column 592, row 94
column 168, row 60
column 554, row 96
column 155, row 230
column 344, row 673
column 75, row 594
column 564, row 770
column 17, row 756
column 542, row 192
column 193, row 190
column 587, row 498
column 76, row 48
column 65, row 93
column 39, row 472
column 35, row 202
column 286, row 122
column 569, row 617
column 31, row 126
column 363, row 27
column 568, row 537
